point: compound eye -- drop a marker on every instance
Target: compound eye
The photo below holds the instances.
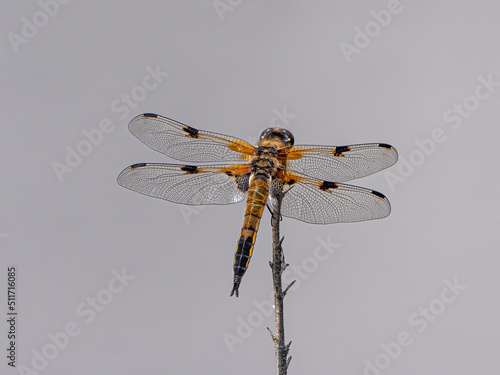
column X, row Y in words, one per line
column 290, row 139
column 266, row 133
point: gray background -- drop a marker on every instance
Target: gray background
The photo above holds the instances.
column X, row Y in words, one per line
column 230, row 75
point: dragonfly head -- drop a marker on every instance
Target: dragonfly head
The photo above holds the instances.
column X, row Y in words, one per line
column 280, row 134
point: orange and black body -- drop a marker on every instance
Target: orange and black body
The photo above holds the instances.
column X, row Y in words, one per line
column 264, row 165
column 303, row 182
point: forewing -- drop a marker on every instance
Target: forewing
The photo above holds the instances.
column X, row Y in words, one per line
column 188, row 184
column 341, row 163
column 324, row 202
column 182, row 142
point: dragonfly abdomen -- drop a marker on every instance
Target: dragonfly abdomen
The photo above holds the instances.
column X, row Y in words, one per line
column 256, row 201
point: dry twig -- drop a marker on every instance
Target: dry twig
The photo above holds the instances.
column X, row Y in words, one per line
column 278, row 265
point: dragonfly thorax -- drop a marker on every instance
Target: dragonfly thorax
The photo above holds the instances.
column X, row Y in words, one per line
column 264, row 161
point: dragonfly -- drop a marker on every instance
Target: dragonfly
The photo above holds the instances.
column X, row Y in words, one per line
column 303, row 182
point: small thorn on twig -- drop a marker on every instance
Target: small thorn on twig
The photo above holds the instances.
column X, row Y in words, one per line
column 271, row 264
column 284, row 264
column 283, row 267
column 286, row 290
column 288, row 362
column 273, row 336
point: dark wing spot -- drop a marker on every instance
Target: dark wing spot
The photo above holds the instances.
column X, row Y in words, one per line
column 384, row 145
column 328, row 185
column 150, row 115
column 229, row 173
column 380, row 195
column 339, row 150
column 291, row 181
column 138, row 165
column 242, row 182
column 192, row 132
column 190, row 169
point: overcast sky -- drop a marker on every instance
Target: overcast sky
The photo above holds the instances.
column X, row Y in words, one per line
column 112, row 282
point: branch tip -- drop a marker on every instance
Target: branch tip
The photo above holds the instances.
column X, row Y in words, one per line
column 288, row 287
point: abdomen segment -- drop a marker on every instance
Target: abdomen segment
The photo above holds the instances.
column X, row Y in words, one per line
column 256, row 201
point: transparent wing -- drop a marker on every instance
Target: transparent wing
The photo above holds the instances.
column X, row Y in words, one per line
column 182, row 142
column 341, row 163
column 188, row 184
column 324, row 202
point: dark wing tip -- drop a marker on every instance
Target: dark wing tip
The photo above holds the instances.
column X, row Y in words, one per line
column 120, row 179
column 378, row 194
column 393, row 150
column 137, row 165
column 386, row 202
column 149, row 115
column 385, row 145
